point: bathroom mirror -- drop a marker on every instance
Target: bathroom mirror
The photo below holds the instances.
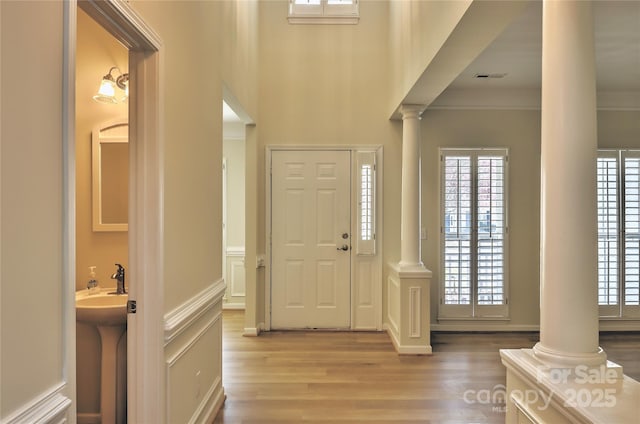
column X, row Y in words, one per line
column 110, row 175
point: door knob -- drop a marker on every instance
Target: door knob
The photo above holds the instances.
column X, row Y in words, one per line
column 344, row 247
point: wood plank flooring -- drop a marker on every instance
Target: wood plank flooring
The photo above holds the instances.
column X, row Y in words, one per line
column 357, row 377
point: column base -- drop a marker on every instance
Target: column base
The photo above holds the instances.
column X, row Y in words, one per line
column 408, row 308
column 552, row 356
column 539, row 392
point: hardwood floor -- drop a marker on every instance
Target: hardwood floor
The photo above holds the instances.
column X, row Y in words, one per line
column 357, row 377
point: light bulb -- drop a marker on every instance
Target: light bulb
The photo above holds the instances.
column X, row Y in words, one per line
column 106, row 92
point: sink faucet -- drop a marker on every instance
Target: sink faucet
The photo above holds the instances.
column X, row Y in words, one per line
column 119, row 276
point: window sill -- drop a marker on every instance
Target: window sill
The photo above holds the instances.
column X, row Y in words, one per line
column 475, row 319
column 636, row 319
column 324, row 20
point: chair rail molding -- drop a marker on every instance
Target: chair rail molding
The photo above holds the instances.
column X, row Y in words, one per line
column 180, row 318
column 49, row 408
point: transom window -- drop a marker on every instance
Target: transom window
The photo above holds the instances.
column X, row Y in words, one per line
column 619, row 233
column 323, row 11
column 473, row 233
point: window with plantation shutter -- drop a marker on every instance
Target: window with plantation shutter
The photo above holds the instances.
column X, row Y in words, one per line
column 474, row 233
column 618, row 194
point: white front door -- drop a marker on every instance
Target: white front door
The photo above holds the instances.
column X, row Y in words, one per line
column 310, row 236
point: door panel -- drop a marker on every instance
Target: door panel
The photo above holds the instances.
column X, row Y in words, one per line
column 310, row 280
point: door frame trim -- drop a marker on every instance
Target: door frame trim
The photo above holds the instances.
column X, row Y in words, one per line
column 145, row 343
column 377, row 295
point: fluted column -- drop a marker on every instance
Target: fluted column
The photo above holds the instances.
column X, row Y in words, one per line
column 569, row 307
column 410, row 255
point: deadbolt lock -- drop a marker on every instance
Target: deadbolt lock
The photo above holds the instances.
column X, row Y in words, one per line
column 345, row 235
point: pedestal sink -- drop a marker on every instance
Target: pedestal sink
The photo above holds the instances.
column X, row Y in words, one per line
column 108, row 313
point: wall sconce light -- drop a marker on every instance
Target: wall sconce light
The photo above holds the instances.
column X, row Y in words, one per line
column 107, row 90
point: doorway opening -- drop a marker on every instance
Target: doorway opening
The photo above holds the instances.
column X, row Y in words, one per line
column 145, row 387
column 324, row 237
column 233, row 208
column 102, row 176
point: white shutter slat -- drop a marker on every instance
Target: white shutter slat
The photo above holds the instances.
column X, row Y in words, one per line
column 631, row 294
column 457, row 230
column 608, row 282
column 490, row 212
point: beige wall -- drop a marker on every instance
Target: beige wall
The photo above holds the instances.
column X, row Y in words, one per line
column 519, row 130
column 234, row 153
column 619, row 129
column 326, row 85
column 195, row 59
column 192, row 122
column 240, row 52
column 417, row 30
column 31, row 329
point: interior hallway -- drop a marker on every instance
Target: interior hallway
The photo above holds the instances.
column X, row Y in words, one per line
column 357, row 377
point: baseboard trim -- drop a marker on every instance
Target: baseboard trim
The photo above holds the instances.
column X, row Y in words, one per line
column 619, row 325
column 483, row 326
column 48, row 408
column 210, row 405
column 234, row 306
column 251, row 332
column 406, row 350
column 180, row 318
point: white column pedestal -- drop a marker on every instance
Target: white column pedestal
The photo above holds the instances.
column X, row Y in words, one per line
column 408, row 309
column 538, row 392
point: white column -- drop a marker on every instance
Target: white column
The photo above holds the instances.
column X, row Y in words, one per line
column 569, row 308
column 408, row 282
column 410, row 256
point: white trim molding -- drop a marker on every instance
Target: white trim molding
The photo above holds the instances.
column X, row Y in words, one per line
column 124, row 23
column 235, row 251
column 251, row 332
column 70, row 34
column 235, row 277
column 523, row 99
column 180, row 318
column 50, row 407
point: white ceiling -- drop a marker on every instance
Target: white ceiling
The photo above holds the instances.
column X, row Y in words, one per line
column 517, row 52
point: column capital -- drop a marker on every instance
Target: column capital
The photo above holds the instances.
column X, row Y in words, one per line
column 411, row 111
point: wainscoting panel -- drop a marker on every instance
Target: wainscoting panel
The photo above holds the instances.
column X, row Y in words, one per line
column 393, row 304
column 234, row 297
column 367, row 294
column 193, row 357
